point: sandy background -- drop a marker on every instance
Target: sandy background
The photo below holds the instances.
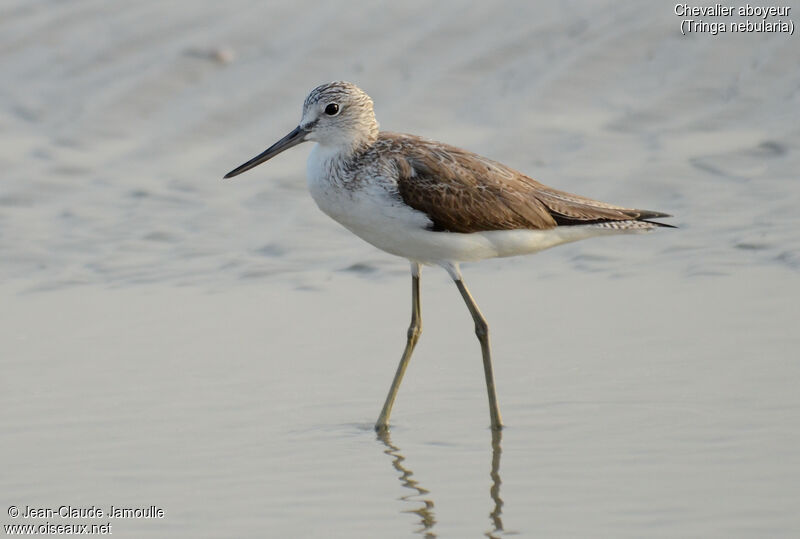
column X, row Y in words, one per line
column 220, row 349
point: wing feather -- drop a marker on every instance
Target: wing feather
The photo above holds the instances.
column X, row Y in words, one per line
column 461, row 191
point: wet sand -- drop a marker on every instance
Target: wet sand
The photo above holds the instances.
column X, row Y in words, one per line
column 221, row 349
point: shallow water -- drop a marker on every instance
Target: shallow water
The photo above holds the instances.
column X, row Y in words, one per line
column 221, row 349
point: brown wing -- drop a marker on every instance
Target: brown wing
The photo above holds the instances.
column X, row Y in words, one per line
column 568, row 209
column 461, row 191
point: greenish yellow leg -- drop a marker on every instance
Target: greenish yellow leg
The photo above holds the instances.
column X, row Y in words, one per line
column 482, row 331
column 414, row 331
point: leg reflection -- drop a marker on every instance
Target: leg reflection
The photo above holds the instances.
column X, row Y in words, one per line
column 494, row 491
column 425, row 512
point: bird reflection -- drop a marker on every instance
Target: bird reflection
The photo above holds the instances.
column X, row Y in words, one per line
column 424, row 504
column 494, row 491
column 425, row 511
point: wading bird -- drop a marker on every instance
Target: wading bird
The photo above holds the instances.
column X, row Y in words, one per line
column 434, row 204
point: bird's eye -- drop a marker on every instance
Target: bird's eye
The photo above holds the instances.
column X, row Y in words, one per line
column 332, row 109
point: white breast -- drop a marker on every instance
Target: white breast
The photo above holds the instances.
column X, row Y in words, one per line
column 366, row 206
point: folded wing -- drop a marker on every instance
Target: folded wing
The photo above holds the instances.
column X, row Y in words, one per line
column 461, row 191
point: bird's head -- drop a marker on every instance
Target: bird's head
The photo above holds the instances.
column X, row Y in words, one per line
column 338, row 114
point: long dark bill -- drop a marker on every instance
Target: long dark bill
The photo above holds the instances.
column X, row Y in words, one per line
column 292, row 139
